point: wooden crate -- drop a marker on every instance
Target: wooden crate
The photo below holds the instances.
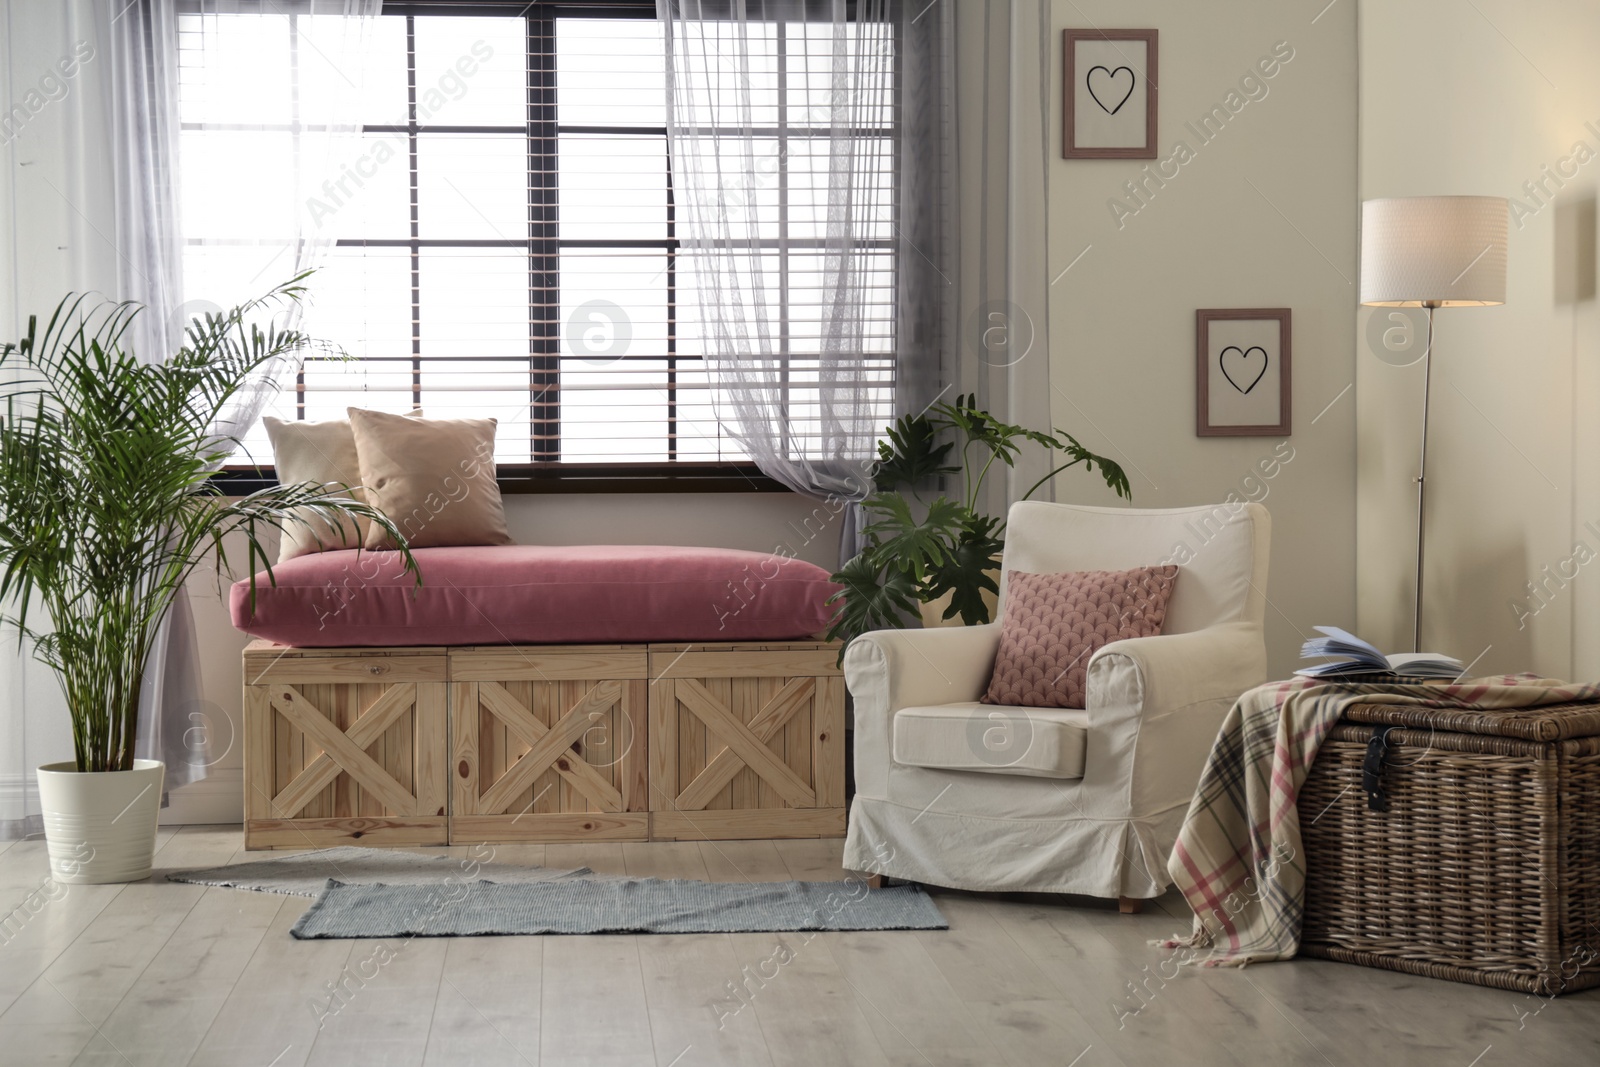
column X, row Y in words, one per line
column 746, row 741
column 345, row 746
column 427, row 746
column 548, row 744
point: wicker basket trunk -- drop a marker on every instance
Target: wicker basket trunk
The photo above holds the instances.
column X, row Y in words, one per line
column 1486, row 866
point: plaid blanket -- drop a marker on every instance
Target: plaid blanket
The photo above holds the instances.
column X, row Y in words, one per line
column 1238, row 857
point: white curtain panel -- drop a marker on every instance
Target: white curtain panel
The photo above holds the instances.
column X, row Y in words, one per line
column 157, row 75
column 194, row 67
column 781, row 121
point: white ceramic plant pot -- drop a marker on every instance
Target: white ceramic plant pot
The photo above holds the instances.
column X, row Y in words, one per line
column 101, row 825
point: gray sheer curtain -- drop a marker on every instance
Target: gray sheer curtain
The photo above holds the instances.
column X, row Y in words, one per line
column 1003, row 60
column 781, row 122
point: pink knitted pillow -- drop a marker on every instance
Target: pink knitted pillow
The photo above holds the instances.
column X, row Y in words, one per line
column 1055, row 622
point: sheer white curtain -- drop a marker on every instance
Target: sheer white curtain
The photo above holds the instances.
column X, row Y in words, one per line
column 781, row 121
column 285, row 77
column 282, row 81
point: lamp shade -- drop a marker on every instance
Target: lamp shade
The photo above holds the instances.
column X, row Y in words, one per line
column 1439, row 251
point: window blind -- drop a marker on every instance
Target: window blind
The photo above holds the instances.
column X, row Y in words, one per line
column 505, row 235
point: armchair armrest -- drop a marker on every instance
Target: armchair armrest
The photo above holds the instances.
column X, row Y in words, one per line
column 916, row 668
column 1155, row 705
column 1175, row 671
column 887, row 670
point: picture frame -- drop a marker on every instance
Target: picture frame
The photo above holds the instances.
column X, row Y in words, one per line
column 1244, row 361
column 1109, row 86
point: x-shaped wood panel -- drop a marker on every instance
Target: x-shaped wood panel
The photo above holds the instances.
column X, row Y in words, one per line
column 549, row 746
column 745, row 745
column 343, row 751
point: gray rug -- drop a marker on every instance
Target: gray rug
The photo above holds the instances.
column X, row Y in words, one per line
column 306, row 874
column 623, row 905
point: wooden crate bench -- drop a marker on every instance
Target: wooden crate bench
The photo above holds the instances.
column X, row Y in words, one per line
column 542, row 743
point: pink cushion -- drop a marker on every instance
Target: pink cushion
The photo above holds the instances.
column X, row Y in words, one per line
column 530, row 594
column 1055, row 622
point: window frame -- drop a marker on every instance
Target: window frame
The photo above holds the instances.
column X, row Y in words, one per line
column 544, row 131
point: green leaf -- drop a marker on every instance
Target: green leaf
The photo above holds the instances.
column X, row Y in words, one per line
column 914, row 545
column 965, row 572
column 1110, row 469
column 978, row 427
column 912, row 454
column 876, row 596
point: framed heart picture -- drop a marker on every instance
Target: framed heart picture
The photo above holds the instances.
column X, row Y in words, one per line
column 1242, row 365
column 1109, row 94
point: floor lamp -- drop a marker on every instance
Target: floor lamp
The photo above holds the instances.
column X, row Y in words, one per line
column 1432, row 252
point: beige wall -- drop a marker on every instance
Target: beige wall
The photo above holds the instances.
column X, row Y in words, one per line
column 1262, row 216
column 1458, row 102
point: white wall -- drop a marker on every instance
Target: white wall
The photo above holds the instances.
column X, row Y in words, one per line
column 1262, row 216
column 53, row 222
column 1461, row 102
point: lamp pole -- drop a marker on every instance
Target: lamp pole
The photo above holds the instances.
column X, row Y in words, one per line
column 1422, row 475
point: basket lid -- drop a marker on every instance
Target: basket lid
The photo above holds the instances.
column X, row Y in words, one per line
column 1552, row 722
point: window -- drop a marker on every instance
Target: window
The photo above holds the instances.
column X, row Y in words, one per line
column 504, row 232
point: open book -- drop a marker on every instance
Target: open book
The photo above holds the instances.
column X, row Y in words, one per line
column 1356, row 657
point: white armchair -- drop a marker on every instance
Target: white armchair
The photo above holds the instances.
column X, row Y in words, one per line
column 953, row 792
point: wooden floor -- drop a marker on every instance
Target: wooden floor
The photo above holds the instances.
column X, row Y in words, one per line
column 162, row 973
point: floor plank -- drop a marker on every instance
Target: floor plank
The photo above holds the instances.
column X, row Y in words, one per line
column 283, row 995
column 600, row 857
column 809, row 1013
column 685, row 981
column 488, row 1006
column 919, row 1008
column 664, row 859
column 813, row 859
column 176, row 998
column 93, row 974
column 744, row 861
column 592, row 1002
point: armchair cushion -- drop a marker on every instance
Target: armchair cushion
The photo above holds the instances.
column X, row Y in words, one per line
column 1054, row 623
column 1037, row 742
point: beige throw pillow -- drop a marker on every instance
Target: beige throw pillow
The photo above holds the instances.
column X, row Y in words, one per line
column 322, row 453
column 434, row 478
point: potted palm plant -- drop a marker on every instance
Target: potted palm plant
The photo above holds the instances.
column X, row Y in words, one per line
column 939, row 559
column 105, row 511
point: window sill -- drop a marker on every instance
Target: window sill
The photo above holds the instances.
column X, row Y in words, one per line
column 521, row 478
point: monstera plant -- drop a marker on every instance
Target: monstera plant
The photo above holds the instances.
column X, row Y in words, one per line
column 918, row 550
column 106, row 509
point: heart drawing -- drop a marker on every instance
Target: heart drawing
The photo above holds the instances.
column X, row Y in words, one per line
column 1243, row 361
column 1110, row 83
